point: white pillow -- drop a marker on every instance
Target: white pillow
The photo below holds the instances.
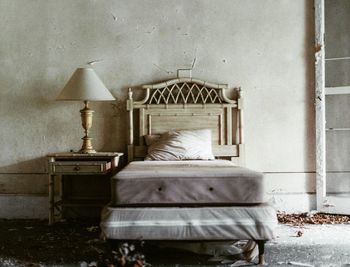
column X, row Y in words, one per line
column 182, row 145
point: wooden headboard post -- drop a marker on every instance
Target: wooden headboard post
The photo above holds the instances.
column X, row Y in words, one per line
column 187, row 103
column 240, row 127
column 130, row 108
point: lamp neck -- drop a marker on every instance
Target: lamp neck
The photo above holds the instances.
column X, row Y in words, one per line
column 86, row 104
column 86, row 108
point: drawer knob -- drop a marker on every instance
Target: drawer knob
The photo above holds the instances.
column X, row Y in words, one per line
column 77, row 168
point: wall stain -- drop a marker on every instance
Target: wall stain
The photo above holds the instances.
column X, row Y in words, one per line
column 93, row 62
column 318, row 48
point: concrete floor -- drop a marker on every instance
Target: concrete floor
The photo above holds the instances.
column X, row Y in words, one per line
column 76, row 245
column 319, row 245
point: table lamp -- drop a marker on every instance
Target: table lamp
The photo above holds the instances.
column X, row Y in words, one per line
column 85, row 85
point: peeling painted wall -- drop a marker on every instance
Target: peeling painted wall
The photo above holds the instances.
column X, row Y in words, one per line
column 266, row 47
column 337, row 53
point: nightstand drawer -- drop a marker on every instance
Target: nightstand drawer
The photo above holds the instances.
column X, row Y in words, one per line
column 88, row 167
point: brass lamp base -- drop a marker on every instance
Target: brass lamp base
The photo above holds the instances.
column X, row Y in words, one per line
column 87, row 148
column 86, row 121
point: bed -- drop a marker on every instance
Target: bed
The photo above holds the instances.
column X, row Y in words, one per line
column 186, row 178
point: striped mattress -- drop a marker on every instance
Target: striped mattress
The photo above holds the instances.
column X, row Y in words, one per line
column 255, row 222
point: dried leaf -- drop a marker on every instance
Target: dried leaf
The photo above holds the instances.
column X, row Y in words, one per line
column 300, row 233
column 312, row 218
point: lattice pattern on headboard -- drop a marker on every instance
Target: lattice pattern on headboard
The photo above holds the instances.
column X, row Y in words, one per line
column 187, row 103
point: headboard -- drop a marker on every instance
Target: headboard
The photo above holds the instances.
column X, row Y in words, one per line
column 187, row 103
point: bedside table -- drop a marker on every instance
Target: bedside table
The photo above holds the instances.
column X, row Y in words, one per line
column 71, row 164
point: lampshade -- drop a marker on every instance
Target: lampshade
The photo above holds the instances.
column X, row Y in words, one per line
column 85, row 85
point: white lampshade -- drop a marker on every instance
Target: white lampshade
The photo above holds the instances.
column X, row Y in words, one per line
column 85, row 85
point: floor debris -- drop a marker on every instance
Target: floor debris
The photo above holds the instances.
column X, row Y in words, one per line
column 312, row 218
column 71, row 244
column 93, row 229
column 295, row 263
column 241, row 263
column 299, row 233
column 30, row 242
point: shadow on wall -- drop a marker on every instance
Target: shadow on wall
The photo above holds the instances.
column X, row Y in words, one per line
column 26, row 177
column 32, row 166
column 309, row 92
column 115, row 129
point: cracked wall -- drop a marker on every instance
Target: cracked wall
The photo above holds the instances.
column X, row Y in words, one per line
column 266, row 47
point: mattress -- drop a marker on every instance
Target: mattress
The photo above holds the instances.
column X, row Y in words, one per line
column 197, row 182
column 189, row 223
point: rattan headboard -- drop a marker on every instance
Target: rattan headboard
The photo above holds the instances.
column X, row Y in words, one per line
column 187, row 103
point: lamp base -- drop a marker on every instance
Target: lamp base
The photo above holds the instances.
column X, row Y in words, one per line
column 86, row 121
column 87, row 146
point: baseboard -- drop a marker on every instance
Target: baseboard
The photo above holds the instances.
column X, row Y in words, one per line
column 293, row 202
